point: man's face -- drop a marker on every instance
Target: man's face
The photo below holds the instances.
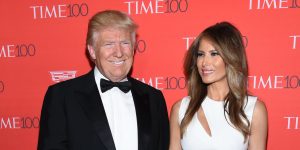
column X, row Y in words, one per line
column 113, row 53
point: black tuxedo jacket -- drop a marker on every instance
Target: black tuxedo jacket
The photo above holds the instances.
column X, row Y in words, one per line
column 73, row 117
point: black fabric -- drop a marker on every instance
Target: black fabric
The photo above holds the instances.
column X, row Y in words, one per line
column 73, row 117
column 123, row 86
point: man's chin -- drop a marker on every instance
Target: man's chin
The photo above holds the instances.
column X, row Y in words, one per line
column 117, row 78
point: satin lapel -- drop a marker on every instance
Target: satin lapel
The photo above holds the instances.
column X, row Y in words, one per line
column 142, row 108
column 90, row 100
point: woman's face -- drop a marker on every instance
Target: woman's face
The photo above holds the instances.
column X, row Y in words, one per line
column 210, row 64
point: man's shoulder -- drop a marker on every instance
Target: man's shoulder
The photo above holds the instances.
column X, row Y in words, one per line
column 78, row 81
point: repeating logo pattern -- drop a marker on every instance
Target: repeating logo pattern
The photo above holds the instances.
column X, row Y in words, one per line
column 49, row 36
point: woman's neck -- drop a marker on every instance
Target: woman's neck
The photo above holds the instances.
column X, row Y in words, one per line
column 217, row 91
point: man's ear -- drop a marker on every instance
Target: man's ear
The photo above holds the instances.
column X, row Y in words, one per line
column 91, row 51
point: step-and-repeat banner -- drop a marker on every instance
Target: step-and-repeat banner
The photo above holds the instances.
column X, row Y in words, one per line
column 42, row 42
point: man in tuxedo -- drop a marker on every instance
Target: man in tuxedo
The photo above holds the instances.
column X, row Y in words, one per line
column 105, row 109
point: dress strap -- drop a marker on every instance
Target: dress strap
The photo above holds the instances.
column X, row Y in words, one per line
column 249, row 107
column 183, row 107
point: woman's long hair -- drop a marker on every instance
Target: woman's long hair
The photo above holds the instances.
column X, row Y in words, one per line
column 228, row 40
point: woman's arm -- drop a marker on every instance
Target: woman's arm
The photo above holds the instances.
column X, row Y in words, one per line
column 175, row 128
column 259, row 127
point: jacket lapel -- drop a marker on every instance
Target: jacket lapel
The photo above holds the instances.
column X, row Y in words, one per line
column 90, row 100
column 142, row 108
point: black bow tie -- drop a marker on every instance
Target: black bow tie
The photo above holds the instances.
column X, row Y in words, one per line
column 123, row 86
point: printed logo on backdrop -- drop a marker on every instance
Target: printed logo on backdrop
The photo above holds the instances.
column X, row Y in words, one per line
column 17, row 50
column 18, row 122
column 165, row 83
column 295, row 38
column 1, row 86
column 140, row 46
column 254, row 82
column 140, row 7
column 292, row 122
column 273, row 4
column 188, row 40
column 274, row 82
column 59, row 11
column 58, row 76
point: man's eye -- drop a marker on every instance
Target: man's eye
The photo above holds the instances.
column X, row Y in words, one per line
column 125, row 43
column 108, row 45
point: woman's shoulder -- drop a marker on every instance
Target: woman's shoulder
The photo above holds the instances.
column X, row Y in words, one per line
column 259, row 124
column 182, row 102
column 255, row 102
column 179, row 107
column 260, row 108
column 255, row 107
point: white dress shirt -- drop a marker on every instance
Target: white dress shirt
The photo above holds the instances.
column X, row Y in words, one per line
column 120, row 112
